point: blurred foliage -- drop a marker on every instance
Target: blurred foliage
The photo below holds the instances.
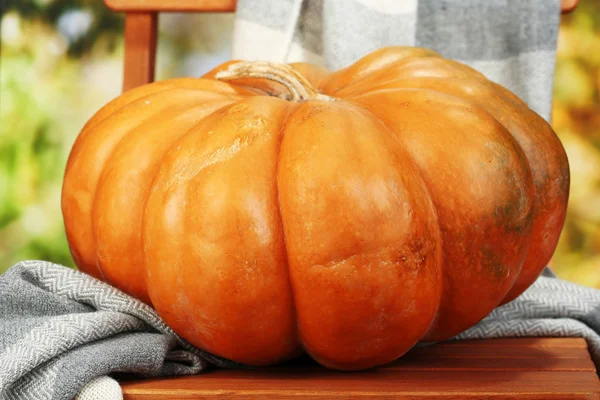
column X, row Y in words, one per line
column 61, row 60
column 576, row 119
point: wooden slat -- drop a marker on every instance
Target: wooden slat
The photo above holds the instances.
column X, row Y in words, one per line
column 522, row 342
column 546, row 369
column 172, row 5
column 416, row 384
column 494, row 364
column 512, row 352
column 140, row 48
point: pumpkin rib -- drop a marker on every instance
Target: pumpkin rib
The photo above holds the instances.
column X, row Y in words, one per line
column 331, row 263
column 518, row 221
column 151, row 88
column 543, row 143
column 510, row 96
column 122, row 101
column 215, row 240
column 279, row 134
column 442, row 271
column 142, row 145
column 97, row 148
column 371, row 64
column 370, row 76
column 409, row 69
column 393, row 136
column 367, row 212
column 80, row 240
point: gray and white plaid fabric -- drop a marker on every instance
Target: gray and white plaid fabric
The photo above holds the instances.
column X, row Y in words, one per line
column 62, row 332
column 511, row 42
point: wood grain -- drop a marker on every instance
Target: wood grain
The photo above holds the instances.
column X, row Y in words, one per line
column 172, row 5
column 140, row 48
column 544, row 368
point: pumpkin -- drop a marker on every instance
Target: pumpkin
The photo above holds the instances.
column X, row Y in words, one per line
column 265, row 210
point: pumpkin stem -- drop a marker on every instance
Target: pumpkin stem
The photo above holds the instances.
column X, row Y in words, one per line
column 300, row 89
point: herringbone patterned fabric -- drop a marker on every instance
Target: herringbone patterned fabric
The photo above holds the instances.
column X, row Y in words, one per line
column 60, row 329
column 551, row 308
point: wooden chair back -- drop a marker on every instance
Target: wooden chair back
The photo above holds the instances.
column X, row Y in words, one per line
column 141, row 20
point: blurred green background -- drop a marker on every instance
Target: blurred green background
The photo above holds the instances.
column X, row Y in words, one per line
column 61, row 60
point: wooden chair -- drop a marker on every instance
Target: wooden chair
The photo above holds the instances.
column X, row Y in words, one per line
column 141, row 24
column 527, row 368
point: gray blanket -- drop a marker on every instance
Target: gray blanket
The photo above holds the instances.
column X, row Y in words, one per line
column 60, row 329
column 62, row 332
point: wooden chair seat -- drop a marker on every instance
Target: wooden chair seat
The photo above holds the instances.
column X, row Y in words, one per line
column 543, row 368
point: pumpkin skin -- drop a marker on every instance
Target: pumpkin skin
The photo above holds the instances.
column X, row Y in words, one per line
column 402, row 202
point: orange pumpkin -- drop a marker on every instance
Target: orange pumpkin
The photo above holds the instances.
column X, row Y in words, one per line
column 269, row 209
